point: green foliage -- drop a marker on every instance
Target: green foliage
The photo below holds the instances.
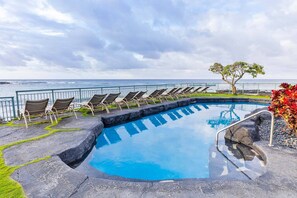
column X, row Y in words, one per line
column 12, row 124
column 233, row 73
column 284, row 104
column 8, row 186
column 84, row 111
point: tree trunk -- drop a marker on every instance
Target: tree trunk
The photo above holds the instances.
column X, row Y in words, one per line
column 234, row 90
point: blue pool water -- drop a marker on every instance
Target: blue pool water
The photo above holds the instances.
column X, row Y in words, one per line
column 176, row 144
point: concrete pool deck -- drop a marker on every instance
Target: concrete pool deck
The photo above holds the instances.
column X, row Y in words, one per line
column 53, row 178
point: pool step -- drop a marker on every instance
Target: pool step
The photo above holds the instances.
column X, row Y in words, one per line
column 234, row 161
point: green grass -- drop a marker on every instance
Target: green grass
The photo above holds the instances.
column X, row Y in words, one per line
column 84, row 111
column 10, row 187
column 12, row 124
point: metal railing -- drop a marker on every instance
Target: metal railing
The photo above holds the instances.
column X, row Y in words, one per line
column 247, row 88
column 83, row 94
column 7, row 109
column 247, row 118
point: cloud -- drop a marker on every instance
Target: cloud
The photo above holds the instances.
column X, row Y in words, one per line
column 146, row 39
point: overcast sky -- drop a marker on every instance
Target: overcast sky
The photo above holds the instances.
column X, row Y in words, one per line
column 145, row 39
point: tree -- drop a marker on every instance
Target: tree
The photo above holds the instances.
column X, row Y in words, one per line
column 233, row 73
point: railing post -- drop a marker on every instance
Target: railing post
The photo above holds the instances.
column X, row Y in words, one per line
column 53, row 97
column 271, row 130
column 80, row 99
column 13, row 107
column 18, row 103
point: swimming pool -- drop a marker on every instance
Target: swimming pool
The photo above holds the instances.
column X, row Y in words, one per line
column 175, row 144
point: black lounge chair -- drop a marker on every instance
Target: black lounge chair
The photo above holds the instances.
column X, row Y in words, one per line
column 182, row 91
column 186, row 92
column 95, row 101
column 204, row 90
column 159, row 94
column 169, row 94
column 35, row 108
column 175, row 93
column 151, row 97
column 109, row 100
column 61, row 106
column 128, row 98
column 196, row 90
column 139, row 97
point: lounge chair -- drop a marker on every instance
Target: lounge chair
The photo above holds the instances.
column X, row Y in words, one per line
column 139, row 97
column 204, row 90
column 185, row 92
column 196, row 90
column 95, row 101
column 168, row 94
column 159, row 94
column 128, row 98
column 151, row 96
column 109, row 100
column 189, row 90
column 175, row 93
column 35, row 108
column 61, row 106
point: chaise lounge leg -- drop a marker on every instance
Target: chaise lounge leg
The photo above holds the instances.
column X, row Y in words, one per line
column 74, row 113
column 51, row 119
column 127, row 104
column 25, row 119
column 119, row 105
column 29, row 118
column 106, row 108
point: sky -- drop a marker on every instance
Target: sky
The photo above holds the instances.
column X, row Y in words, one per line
column 151, row 39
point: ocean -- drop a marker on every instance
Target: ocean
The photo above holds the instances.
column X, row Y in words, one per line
column 8, row 87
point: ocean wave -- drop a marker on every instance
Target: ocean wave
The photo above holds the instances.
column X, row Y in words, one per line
column 17, row 82
column 4, row 83
column 60, row 82
column 31, row 82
